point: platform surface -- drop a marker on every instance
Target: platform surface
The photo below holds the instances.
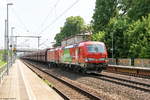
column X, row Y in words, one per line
column 23, row 84
column 130, row 67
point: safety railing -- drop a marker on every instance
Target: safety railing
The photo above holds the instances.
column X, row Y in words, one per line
column 3, row 70
column 130, row 62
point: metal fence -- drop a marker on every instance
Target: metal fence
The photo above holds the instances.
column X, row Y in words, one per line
column 130, row 62
column 3, row 71
column 142, row 62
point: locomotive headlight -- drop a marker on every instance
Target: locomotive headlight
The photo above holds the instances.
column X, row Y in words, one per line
column 86, row 59
column 91, row 59
column 102, row 59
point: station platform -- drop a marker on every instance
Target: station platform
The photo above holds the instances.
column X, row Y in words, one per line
column 130, row 67
column 23, row 84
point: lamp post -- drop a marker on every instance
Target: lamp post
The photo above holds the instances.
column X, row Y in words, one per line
column 12, row 44
column 7, row 36
column 112, row 45
column 11, row 37
column 5, row 41
column 38, row 43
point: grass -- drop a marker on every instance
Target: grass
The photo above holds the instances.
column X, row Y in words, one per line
column 47, row 82
column 2, row 63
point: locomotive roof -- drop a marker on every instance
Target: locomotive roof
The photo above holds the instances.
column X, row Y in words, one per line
column 92, row 42
column 82, row 43
column 70, row 46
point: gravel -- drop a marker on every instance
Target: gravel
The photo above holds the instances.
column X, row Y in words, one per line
column 112, row 90
column 117, row 92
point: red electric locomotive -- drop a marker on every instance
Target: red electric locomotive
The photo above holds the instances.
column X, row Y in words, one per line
column 84, row 56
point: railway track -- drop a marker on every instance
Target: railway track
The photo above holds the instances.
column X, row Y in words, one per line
column 67, row 89
column 122, row 81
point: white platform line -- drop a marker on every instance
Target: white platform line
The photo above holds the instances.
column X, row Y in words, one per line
column 28, row 88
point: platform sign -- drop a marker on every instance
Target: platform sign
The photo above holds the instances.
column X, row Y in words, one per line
column 14, row 49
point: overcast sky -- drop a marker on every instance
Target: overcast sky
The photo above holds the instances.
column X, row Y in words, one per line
column 41, row 18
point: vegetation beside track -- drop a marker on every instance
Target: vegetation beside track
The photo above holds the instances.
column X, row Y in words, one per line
column 2, row 62
column 48, row 83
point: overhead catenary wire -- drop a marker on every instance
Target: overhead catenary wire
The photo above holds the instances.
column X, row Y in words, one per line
column 57, row 3
column 44, row 45
column 26, row 40
column 19, row 19
column 49, row 13
column 46, row 18
column 17, row 27
column 43, row 42
column 58, row 17
column 64, row 12
column 56, row 6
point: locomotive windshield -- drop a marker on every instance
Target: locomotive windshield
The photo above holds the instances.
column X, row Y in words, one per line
column 95, row 48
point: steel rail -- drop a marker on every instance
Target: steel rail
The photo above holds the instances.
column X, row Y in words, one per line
column 89, row 95
column 59, row 92
column 121, row 82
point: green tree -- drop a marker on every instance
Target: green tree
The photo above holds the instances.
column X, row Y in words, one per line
column 73, row 25
column 124, row 6
column 139, row 8
column 98, row 36
column 87, row 28
column 116, row 33
column 128, row 22
column 104, row 10
column 139, row 36
column 135, row 9
column 58, row 39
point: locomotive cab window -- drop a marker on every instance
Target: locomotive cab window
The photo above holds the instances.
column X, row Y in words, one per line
column 95, row 48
